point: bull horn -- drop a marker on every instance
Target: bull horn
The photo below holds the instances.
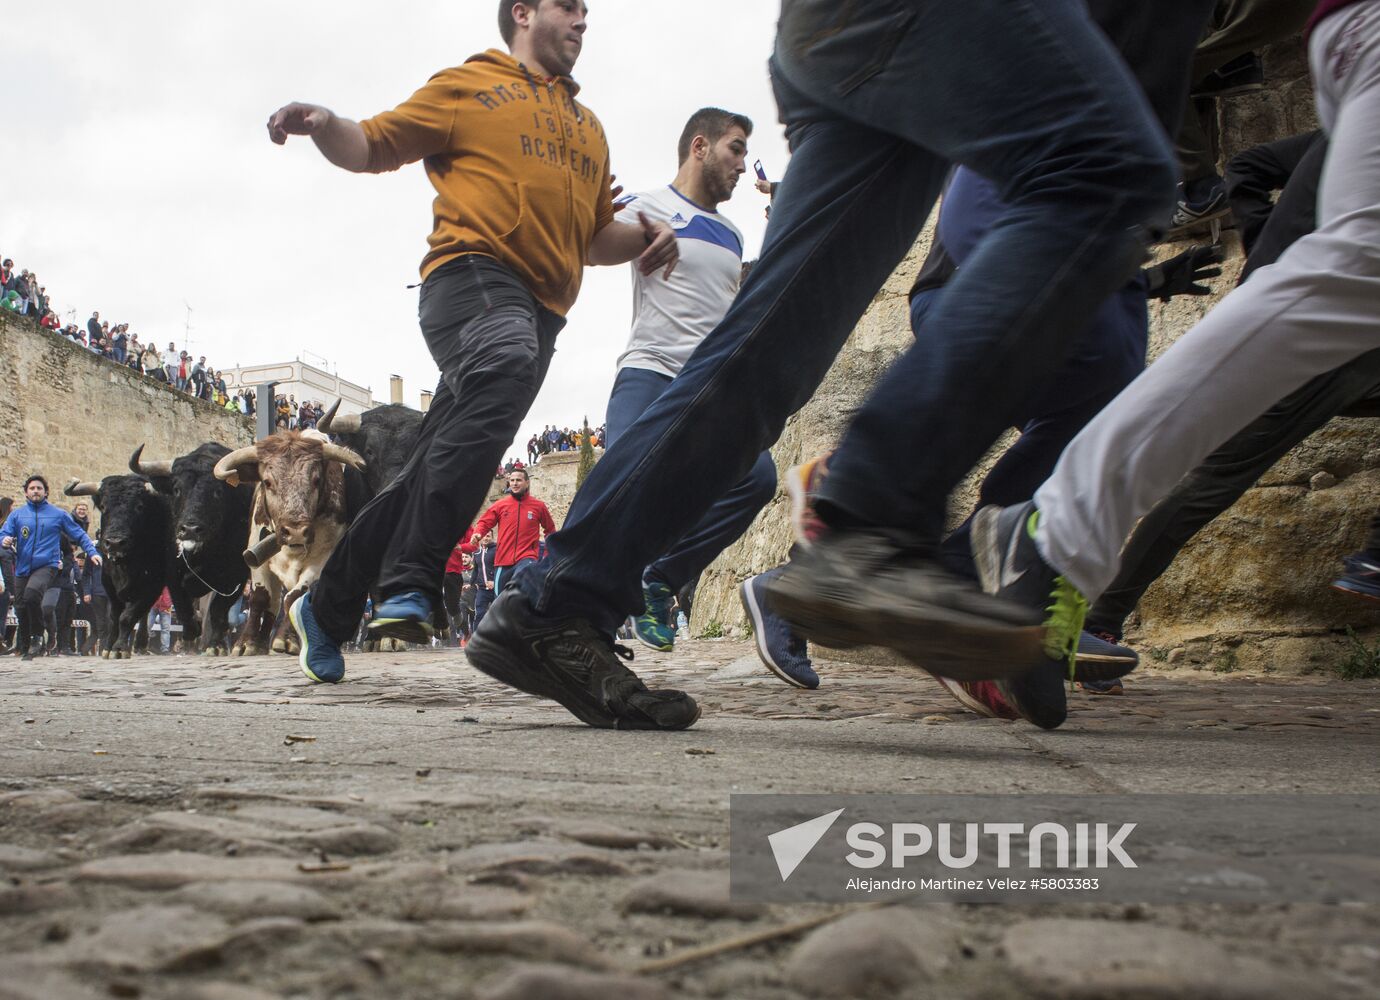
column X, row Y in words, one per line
column 338, row 423
column 80, row 489
column 148, row 468
column 261, row 551
column 229, row 467
column 337, row 453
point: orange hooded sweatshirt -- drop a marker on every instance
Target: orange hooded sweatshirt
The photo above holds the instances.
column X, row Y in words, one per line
column 521, row 170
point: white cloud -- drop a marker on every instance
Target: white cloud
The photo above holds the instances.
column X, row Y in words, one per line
column 139, row 176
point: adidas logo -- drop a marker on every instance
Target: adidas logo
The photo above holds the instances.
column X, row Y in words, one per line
column 792, row 845
column 677, row 218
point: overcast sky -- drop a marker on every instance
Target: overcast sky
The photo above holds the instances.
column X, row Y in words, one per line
column 138, row 177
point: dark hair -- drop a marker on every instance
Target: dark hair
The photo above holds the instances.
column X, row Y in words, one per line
column 36, row 478
column 524, row 474
column 507, row 27
column 711, row 123
column 6, row 505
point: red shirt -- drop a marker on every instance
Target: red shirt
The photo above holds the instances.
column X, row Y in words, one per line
column 520, row 523
column 456, row 562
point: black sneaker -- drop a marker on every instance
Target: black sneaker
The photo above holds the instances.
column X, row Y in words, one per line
column 1240, row 76
column 1009, row 565
column 855, row 587
column 566, row 660
column 1207, row 203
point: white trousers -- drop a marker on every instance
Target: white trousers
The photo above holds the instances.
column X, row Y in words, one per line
column 1314, row 309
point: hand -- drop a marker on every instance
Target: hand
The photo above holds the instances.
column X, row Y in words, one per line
column 615, row 189
column 475, row 540
column 297, row 119
column 1180, row 275
column 662, row 250
column 763, row 186
column 7, row 541
column 95, row 560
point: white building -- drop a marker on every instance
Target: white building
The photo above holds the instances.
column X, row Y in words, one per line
column 304, row 381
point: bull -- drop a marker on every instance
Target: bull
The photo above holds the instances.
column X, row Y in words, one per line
column 210, row 521
column 307, row 490
column 136, row 549
column 384, row 437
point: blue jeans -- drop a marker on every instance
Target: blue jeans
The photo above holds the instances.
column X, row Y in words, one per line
column 503, row 572
column 878, row 100
column 634, row 391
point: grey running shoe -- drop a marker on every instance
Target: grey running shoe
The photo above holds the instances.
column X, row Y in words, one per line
column 566, row 660
column 855, row 587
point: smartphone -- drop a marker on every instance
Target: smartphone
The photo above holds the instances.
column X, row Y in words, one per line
column 761, row 174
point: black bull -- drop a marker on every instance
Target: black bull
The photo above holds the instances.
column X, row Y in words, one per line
column 210, row 521
column 136, row 553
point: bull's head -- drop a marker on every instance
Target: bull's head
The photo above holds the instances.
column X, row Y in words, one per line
column 125, row 503
column 200, row 502
column 300, row 477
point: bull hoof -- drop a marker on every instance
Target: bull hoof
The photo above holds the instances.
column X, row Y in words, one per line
column 293, row 648
column 371, row 645
column 392, row 645
column 279, row 646
column 105, row 655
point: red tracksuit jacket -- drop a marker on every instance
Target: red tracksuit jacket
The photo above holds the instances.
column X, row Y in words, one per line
column 519, row 527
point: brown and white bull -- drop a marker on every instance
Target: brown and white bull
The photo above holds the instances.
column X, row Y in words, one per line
column 302, row 496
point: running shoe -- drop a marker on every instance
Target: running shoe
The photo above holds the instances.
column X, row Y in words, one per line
column 654, row 628
column 405, row 616
column 1102, row 687
column 802, row 485
column 1198, row 209
column 1010, row 566
column 320, row 655
column 1097, row 647
column 783, row 652
column 566, row 660
column 857, row 587
column 982, row 697
column 1361, row 577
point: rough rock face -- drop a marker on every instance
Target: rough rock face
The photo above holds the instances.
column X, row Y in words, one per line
column 1251, row 589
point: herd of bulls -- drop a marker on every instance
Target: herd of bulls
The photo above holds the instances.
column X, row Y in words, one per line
column 205, row 523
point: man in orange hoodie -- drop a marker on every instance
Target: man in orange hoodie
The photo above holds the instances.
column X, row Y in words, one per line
column 523, row 202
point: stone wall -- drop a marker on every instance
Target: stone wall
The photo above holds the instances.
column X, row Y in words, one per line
column 1251, row 590
column 65, row 412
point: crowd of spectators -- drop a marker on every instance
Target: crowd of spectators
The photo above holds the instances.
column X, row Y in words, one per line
column 553, row 439
column 21, row 294
column 294, row 416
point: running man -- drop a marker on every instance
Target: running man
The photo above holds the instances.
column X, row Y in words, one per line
column 670, row 318
column 35, row 532
column 1308, row 313
column 878, row 100
column 521, row 521
column 523, row 202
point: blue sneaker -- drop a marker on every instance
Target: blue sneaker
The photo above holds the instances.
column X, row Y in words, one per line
column 654, row 627
column 778, row 645
column 320, row 657
column 1102, row 661
column 1361, row 577
column 405, row 616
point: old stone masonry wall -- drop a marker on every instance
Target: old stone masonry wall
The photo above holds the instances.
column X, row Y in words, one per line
column 1251, row 590
column 65, row 412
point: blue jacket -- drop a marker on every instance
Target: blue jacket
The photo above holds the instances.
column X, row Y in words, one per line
column 38, row 532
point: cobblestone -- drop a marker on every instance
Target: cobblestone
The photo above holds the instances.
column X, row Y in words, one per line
column 158, row 837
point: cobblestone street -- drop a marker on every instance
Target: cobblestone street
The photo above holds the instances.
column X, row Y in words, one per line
column 207, row 829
